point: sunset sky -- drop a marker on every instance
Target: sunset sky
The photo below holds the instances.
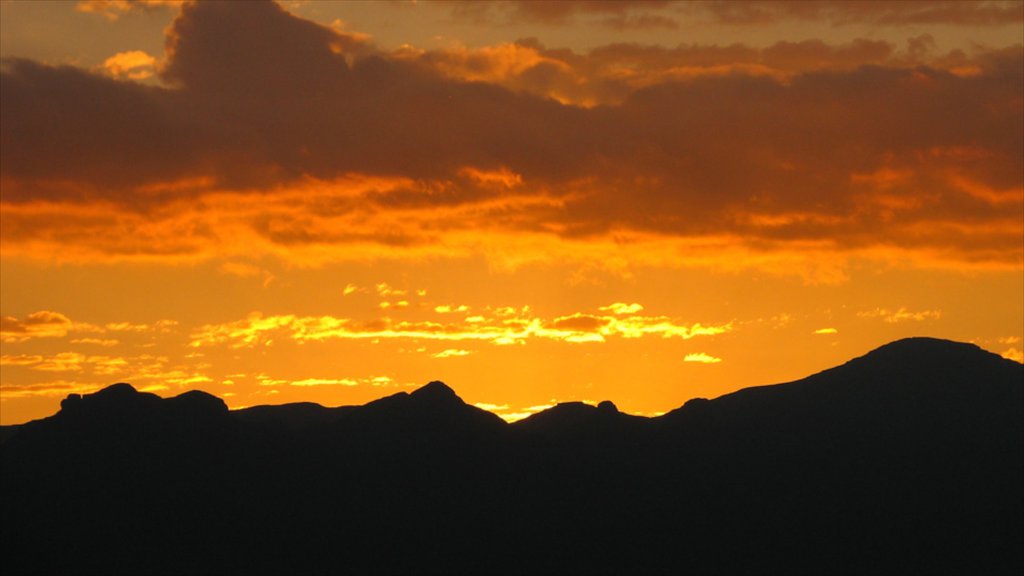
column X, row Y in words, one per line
column 534, row 202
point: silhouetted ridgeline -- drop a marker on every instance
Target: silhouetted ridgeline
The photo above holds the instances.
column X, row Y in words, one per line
column 909, row 459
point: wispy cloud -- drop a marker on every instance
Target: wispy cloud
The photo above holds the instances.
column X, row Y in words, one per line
column 56, row 388
column 1015, row 354
column 501, row 330
column 375, row 381
column 622, row 308
column 42, row 324
column 49, row 324
column 701, row 358
column 901, row 315
column 105, row 342
column 452, row 353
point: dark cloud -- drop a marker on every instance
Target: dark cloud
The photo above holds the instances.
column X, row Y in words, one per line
column 42, row 324
column 848, row 147
column 641, row 13
column 619, row 14
column 580, row 323
column 882, row 12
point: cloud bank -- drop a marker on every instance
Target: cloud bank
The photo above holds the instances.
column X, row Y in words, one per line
column 319, row 147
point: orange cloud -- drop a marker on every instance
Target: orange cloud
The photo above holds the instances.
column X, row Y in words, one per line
column 622, row 308
column 42, row 324
column 133, row 65
column 376, row 381
column 324, row 382
column 701, row 358
column 954, row 13
column 48, row 324
column 258, row 330
column 659, row 13
column 452, row 353
column 317, row 148
column 1015, row 354
column 57, row 388
column 143, row 367
column 105, row 342
column 114, row 9
column 20, row 359
column 901, row 315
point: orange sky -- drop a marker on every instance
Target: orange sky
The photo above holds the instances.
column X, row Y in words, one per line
column 534, row 202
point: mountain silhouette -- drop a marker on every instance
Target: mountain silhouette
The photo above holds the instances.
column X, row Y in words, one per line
column 909, row 458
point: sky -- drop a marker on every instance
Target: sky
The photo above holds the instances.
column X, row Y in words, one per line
column 643, row 201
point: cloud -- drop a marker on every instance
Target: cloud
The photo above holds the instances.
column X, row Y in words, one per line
column 491, row 407
column 160, row 326
column 105, row 342
column 579, row 323
column 701, row 358
column 319, row 147
column 657, row 13
column 62, row 362
column 144, row 367
column 259, row 330
column 826, row 331
column 42, row 324
column 891, row 13
column 376, row 381
column 617, row 14
column 20, row 359
column 56, row 388
column 622, row 308
column 901, row 315
column 114, row 9
column 1015, row 354
column 132, row 65
column 609, row 74
column 324, row 382
column 451, row 353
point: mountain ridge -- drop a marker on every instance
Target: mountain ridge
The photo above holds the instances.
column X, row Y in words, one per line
column 909, row 455
column 437, row 392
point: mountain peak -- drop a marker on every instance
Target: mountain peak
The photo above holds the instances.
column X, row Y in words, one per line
column 932, row 354
column 926, row 344
column 436, row 391
column 116, row 398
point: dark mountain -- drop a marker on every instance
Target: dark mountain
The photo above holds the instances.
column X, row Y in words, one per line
column 909, row 459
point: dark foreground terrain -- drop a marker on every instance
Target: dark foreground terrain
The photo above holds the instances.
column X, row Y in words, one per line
column 909, row 459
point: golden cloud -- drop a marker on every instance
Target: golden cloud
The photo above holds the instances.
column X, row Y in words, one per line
column 20, row 359
column 56, row 388
column 622, row 308
column 702, row 358
column 132, row 65
column 452, row 353
column 42, row 324
column 259, row 330
column 901, row 315
column 376, row 381
column 1015, row 354
column 114, row 9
